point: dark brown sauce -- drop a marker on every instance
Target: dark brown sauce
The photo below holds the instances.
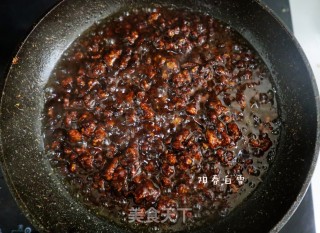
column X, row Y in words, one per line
column 146, row 103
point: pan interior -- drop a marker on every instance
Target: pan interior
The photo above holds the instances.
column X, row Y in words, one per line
column 83, row 135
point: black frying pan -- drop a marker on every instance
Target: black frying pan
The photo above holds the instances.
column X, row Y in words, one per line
column 52, row 209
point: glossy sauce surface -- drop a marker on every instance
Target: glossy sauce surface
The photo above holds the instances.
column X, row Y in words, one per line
column 149, row 104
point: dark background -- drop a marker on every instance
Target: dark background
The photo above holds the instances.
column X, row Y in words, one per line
column 17, row 18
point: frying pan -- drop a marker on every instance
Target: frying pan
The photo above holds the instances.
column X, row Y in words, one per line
column 40, row 192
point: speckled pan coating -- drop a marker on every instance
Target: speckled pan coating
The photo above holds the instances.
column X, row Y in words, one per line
column 45, row 200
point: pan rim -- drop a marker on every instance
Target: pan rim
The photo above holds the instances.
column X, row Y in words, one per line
column 307, row 182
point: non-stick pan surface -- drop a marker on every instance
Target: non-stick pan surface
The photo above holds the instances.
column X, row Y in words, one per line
column 40, row 192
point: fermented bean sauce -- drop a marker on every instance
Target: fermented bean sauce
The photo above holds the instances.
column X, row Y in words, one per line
column 160, row 119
